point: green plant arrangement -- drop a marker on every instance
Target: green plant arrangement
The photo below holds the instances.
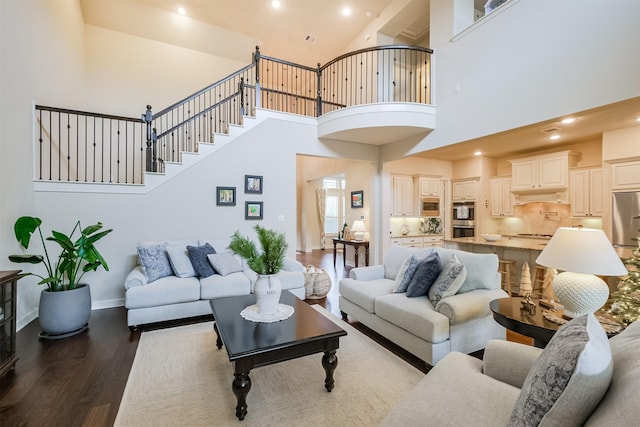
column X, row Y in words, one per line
column 76, row 257
column 274, row 247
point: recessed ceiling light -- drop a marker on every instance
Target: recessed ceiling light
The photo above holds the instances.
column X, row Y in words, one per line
column 182, row 11
column 477, row 153
column 638, row 119
column 275, row 4
column 554, row 137
column 568, row 120
column 346, row 11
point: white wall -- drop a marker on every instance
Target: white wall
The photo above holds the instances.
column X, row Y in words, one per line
column 527, row 63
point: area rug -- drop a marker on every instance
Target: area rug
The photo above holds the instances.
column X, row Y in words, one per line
column 180, row 378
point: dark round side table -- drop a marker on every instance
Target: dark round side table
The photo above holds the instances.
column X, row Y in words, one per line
column 510, row 313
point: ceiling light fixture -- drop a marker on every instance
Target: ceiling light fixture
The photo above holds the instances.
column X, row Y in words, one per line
column 477, row 153
column 554, row 137
column 568, row 120
column 638, row 119
column 182, row 11
column 275, row 4
column 346, row 11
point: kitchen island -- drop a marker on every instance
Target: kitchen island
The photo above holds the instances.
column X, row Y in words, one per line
column 515, row 248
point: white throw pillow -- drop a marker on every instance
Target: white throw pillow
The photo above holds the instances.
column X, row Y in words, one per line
column 180, row 262
column 225, row 263
column 569, row 379
column 400, row 276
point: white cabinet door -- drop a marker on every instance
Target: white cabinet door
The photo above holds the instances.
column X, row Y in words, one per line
column 501, row 198
column 524, row 175
column 465, row 190
column 429, row 186
column 625, row 176
column 433, row 241
column 586, row 192
column 402, row 195
column 552, row 172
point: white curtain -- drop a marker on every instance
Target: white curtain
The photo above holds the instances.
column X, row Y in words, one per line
column 321, row 198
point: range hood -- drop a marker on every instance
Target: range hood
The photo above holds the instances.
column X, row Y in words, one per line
column 549, row 197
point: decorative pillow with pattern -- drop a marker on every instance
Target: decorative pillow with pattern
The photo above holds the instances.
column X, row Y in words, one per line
column 225, row 263
column 410, row 269
column 199, row 260
column 426, row 273
column 449, row 281
column 155, row 262
column 569, row 379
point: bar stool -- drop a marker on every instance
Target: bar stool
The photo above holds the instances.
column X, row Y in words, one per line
column 506, row 269
column 538, row 279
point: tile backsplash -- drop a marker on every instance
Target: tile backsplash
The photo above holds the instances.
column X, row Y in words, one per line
column 542, row 218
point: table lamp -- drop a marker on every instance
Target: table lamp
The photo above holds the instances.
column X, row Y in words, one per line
column 358, row 229
column 581, row 253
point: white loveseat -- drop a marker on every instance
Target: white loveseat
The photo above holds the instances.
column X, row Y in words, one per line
column 462, row 322
column 172, row 297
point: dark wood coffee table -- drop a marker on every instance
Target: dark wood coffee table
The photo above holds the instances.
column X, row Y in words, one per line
column 510, row 313
column 251, row 344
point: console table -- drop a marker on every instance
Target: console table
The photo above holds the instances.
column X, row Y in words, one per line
column 356, row 245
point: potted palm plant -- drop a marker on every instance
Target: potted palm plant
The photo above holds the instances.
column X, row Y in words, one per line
column 266, row 264
column 65, row 304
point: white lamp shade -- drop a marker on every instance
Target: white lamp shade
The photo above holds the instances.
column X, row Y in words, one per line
column 358, row 229
column 581, row 253
column 582, row 250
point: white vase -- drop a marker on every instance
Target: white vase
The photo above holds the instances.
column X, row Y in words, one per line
column 267, row 290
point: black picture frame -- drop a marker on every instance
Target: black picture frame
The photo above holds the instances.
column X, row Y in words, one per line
column 225, row 196
column 357, row 199
column 253, row 184
column 253, row 210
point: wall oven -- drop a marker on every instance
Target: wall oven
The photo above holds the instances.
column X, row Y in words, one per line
column 430, row 206
column 463, row 219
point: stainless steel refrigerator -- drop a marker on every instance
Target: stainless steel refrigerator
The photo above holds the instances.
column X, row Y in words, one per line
column 626, row 218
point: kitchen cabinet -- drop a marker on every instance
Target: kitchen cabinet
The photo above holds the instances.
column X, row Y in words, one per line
column 502, row 199
column 8, row 296
column 585, row 192
column 402, row 195
column 465, row 190
column 429, row 186
column 548, row 172
column 625, row 176
column 418, row 241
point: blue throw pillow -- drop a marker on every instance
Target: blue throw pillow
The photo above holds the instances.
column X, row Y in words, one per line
column 427, row 272
column 407, row 271
column 155, row 262
column 199, row 260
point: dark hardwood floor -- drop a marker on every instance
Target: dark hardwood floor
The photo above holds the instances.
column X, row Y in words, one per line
column 79, row 381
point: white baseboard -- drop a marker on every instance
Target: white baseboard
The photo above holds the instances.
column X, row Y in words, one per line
column 28, row 318
column 99, row 305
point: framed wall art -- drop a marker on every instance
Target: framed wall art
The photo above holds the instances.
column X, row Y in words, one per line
column 253, row 210
column 225, row 196
column 252, row 184
column 357, row 199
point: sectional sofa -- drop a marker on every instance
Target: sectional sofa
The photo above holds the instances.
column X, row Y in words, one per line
column 170, row 287
column 460, row 322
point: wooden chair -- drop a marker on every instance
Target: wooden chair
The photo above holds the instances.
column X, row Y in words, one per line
column 506, row 268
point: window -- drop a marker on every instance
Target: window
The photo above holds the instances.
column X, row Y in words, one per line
column 335, row 206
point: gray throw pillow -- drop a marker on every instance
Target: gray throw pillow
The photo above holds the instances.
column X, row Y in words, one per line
column 198, row 257
column 449, row 281
column 569, row 379
column 225, row 263
column 424, row 276
column 409, row 271
column 155, row 262
column 180, row 262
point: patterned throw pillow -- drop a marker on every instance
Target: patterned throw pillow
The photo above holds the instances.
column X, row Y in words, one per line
column 426, row 273
column 198, row 257
column 449, row 281
column 225, row 263
column 569, row 378
column 409, row 271
column 155, row 262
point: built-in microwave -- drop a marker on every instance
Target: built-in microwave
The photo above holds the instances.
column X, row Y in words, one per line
column 430, row 206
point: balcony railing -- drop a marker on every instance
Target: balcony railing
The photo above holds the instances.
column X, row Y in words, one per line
column 79, row 146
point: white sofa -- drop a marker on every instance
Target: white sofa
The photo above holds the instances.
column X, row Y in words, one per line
column 172, row 297
column 462, row 322
column 462, row 390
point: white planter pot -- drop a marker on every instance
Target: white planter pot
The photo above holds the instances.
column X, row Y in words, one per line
column 267, row 290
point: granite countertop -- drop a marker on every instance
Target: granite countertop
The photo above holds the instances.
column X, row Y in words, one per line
column 505, row 242
column 397, row 236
